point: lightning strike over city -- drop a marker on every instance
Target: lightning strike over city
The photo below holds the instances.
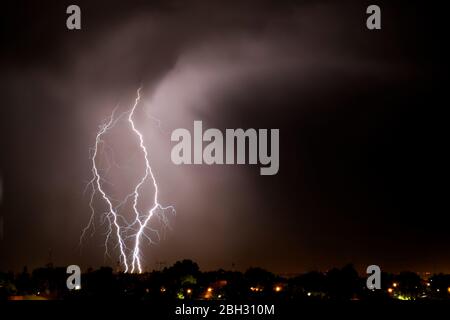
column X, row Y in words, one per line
column 118, row 225
column 210, row 157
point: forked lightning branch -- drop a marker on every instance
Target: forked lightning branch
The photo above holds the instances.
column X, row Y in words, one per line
column 124, row 231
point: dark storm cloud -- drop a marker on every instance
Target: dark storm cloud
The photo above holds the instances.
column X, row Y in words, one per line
column 337, row 92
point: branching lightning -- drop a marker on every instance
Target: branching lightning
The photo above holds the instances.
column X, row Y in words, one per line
column 117, row 224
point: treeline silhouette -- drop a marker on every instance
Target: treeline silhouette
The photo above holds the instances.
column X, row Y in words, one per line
column 184, row 280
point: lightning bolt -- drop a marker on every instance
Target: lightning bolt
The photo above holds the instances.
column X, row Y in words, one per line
column 136, row 230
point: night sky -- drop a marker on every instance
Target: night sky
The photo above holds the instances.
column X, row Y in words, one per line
column 357, row 111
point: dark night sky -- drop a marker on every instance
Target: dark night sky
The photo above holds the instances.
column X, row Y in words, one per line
column 356, row 110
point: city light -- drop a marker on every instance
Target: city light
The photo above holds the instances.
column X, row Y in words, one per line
column 390, row 290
